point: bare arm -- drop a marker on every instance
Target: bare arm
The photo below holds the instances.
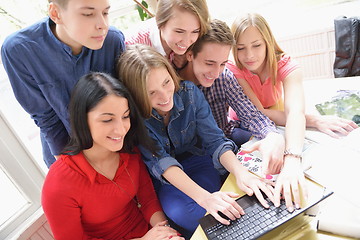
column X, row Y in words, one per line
column 294, row 109
column 291, row 178
column 157, row 217
column 293, row 118
column 330, row 125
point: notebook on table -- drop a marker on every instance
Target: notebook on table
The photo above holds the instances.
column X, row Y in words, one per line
column 261, row 223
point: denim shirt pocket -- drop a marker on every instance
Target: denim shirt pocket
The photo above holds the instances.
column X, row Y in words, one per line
column 188, row 132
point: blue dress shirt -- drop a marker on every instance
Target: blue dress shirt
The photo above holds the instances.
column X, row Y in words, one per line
column 42, row 71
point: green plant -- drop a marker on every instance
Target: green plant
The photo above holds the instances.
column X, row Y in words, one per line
column 143, row 10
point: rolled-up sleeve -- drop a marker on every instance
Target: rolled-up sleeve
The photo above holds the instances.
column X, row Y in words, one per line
column 158, row 163
column 227, row 146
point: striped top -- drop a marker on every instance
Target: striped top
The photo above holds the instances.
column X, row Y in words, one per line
column 147, row 34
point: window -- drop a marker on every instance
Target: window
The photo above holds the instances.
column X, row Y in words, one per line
column 14, row 200
column 20, row 178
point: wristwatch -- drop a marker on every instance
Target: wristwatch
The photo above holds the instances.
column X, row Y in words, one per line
column 294, row 154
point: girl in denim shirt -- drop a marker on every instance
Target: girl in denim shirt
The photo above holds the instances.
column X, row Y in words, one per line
column 192, row 150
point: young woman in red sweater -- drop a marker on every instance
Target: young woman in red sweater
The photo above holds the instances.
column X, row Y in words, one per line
column 99, row 188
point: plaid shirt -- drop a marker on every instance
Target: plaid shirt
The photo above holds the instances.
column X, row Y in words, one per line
column 226, row 92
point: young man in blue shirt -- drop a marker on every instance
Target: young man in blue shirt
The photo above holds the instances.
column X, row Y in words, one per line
column 45, row 60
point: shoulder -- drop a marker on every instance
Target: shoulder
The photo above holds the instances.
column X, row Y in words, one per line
column 185, row 85
column 285, row 61
column 32, row 34
column 134, row 159
column 237, row 72
column 59, row 174
column 227, row 74
column 227, row 79
column 188, row 88
column 286, row 65
column 189, row 94
column 114, row 38
column 115, row 33
column 140, row 33
column 135, row 155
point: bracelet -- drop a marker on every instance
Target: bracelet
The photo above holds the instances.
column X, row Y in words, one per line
column 296, row 155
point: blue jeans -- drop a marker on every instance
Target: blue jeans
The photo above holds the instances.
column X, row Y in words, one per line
column 179, row 207
column 240, row 136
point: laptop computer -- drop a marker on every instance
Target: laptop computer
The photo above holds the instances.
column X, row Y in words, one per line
column 261, row 223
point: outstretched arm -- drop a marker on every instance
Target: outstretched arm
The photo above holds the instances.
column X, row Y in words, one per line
column 291, row 178
column 293, row 118
column 331, row 125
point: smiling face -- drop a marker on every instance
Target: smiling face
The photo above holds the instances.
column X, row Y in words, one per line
column 209, row 62
column 109, row 121
column 251, row 50
column 81, row 23
column 160, row 87
column 180, row 31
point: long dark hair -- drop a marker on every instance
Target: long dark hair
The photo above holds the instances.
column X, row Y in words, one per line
column 87, row 93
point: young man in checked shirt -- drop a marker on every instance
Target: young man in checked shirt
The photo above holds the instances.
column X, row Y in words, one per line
column 206, row 68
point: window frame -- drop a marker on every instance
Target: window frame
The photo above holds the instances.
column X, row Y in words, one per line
column 21, row 168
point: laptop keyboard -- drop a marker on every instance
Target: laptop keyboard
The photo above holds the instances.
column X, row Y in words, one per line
column 256, row 221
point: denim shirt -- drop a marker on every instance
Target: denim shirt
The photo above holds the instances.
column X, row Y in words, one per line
column 191, row 120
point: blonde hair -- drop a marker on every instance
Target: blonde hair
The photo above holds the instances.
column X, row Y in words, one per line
column 273, row 51
column 199, row 8
column 133, row 68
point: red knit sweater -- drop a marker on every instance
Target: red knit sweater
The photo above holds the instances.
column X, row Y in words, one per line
column 80, row 203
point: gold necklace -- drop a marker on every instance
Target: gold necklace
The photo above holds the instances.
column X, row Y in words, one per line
column 135, row 199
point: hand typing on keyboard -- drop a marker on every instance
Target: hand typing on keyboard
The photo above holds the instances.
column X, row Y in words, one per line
column 246, row 181
column 256, row 221
column 291, row 184
column 222, row 206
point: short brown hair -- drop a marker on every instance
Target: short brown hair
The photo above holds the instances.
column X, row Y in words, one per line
column 199, row 8
column 61, row 3
column 219, row 32
column 133, row 68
